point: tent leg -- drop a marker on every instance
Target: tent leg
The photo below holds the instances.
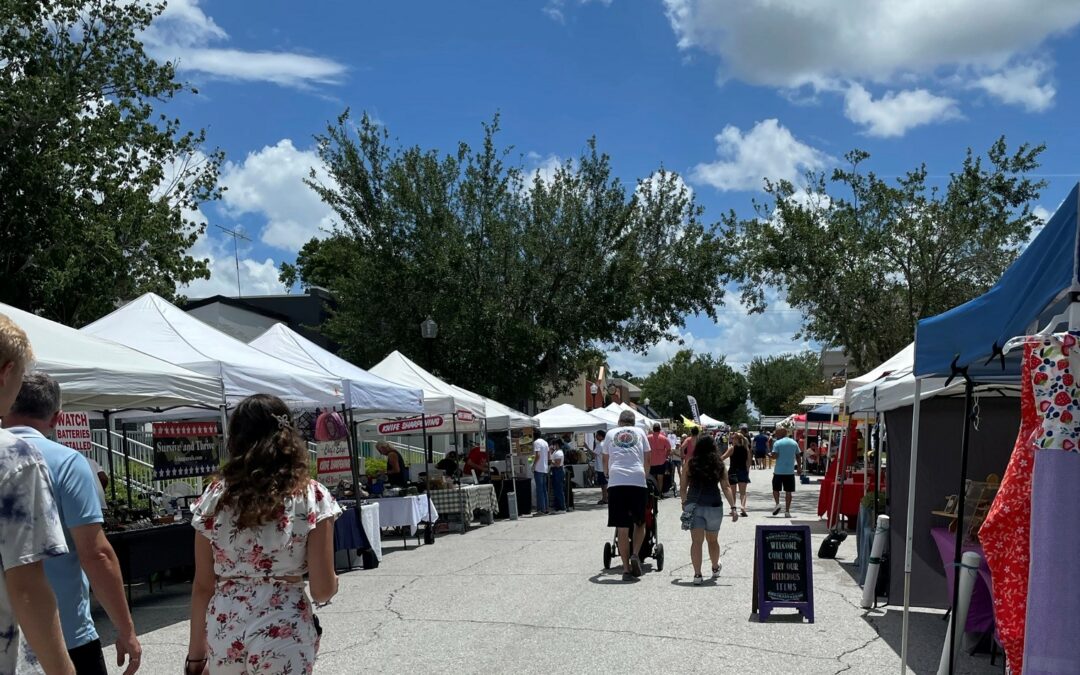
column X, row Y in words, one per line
column 962, row 494
column 913, row 464
column 354, row 455
column 127, row 468
column 108, row 446
column 429, row 533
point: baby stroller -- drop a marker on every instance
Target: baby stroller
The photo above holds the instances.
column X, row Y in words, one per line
column 650, row 545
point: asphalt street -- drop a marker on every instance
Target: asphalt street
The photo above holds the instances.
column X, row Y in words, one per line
column 530, row 596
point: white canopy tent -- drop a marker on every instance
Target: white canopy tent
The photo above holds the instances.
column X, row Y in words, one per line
column 98, row 374
column 567, row 418
column 439, row 396
column 904, row 359
column 642, row 421
column 710, row 422
column 154, row 326
column 609, row 416
column 364, row 392
column 501, row 417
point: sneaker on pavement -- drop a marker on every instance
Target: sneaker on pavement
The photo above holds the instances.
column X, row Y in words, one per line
column 635, row 566
column 716, row 570
column 743, row 513
column 787, row 514
column 698, row 580
column 776, row 511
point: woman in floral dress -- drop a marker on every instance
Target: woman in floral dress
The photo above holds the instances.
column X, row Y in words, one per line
column 263, row 524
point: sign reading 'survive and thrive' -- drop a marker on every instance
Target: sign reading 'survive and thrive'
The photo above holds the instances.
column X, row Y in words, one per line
column 185, row 449
column 783, row 572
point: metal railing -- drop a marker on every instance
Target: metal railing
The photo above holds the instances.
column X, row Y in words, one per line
column 411, row 454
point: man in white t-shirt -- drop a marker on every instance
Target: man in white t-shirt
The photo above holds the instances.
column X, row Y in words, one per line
column 626, row 465
column 540, row 473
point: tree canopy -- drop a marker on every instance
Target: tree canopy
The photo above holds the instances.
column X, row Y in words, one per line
column 865, row 259
column 99, row 191
column 525, row 275
column 719, row 389
column 778, row 383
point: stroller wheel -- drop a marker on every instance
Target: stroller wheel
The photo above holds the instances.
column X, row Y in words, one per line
column 607, row 555
column 658, row 554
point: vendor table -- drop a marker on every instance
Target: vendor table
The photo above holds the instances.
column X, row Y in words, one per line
column 465, row 500
column 849, row 498
column 981, row 612
column 405, row 512
column 358, row 534
column 150, row 550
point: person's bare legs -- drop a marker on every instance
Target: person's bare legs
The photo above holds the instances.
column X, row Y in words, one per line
column 639, row 537
column 787, row 500
column 697, row 537
column 712, row 538
column 624, row 548
column 742, row 495
column 603, row 492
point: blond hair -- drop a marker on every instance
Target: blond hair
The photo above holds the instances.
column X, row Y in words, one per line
column 14, row 345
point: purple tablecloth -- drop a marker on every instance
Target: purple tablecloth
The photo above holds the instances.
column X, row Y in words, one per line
column 981, row 613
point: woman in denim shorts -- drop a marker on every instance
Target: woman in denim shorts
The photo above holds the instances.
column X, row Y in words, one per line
column 704, row 488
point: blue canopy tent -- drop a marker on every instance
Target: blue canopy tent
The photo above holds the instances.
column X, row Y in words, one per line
column 1039, row 288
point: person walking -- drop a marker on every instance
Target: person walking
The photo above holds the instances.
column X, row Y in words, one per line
column 761, row 449
column 739, row 476
column 598, row 461
column 676, row 463
column 30, row 530
column 558, row 478
column 703, row 491
column 686, row 448
column 262, row 525
column 659, row 454
column 91, row 559
column 540, row 472
column 785, row 453
column 626, row 465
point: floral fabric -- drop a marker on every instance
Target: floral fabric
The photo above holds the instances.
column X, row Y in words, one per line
column 254, row 622
column 276, row 549
column 260, row 626
column 1056, row 393
column 1005, row 535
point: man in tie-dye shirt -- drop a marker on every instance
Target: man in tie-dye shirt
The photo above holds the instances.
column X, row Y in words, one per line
column 30, row 531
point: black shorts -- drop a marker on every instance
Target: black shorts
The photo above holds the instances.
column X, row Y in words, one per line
column 785, row 483
column 658, row 470
column 88, row 658
column 626, row 505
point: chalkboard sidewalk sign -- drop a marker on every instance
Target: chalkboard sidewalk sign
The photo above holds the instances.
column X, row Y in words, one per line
column 783, row 570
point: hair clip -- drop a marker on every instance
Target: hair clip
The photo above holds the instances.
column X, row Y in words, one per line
column 283, row 421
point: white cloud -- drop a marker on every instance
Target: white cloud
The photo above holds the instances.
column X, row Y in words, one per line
column 555, row 8
column 184, row 34
column 544, row 168
column 256, row 277
column 739, row 339
column 1021, row 85
column 768, row 150
column 270, row 182
column 896, row 112
column 1041, row 213
column 788, row 43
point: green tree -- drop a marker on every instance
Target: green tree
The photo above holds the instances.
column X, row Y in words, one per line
column 778, row 383
column 524, row 275
column 865, row 259
column 99, row 190
column 719, row 389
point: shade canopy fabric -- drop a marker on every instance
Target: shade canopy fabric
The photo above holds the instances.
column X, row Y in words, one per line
column 1035, row 288
column 153, row 325
column 439, row 397
column 567, row 418
column 642, row 420
column 364, row 392
column 815, row 401
column 710, row 422
column 901, row 361
column 501, row 417
column 98, row 374
column 899, row 391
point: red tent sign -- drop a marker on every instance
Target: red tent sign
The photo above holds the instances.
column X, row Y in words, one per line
column 410, row 425
column 465, row 416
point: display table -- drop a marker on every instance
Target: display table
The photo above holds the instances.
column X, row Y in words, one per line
column 849, row 500
column 981, row 612
column 407, row 512
column 353, row 534
column 522, row 489
column 147, row 551
column 465, row 500
column 578, row 478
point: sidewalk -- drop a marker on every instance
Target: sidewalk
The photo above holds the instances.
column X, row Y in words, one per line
column 530, row 597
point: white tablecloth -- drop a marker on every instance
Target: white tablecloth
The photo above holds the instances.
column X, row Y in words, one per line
column 369, row 518
column 405, row 512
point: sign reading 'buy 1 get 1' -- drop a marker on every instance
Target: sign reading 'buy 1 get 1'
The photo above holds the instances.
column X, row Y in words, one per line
column 783, row 570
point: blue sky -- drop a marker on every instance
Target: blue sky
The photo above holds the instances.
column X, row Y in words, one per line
column 724, row 92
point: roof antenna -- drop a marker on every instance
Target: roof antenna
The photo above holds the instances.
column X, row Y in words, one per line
column 235, row 234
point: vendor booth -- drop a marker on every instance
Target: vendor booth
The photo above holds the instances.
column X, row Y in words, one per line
column 1030, row 541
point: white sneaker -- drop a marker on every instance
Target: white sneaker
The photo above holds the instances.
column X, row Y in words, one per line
column 716, row 570
column 787, row 514
column 698, row 580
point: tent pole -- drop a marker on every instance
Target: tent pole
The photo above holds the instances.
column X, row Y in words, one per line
column 354, row 455
column 838, row 482
column 962, row 494
column 913, row 466
column 429, row 534
column 127, row 467
column 108, row 446
column 865, row 464
column 806, row 442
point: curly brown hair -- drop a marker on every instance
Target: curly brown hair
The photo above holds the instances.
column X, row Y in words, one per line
column 267, row 461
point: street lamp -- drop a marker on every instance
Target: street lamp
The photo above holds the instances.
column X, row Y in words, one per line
column 429, row 330
column 646, row 403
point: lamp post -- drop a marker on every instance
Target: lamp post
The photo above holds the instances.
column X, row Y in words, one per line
column 429, row 330
column 671, row 410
